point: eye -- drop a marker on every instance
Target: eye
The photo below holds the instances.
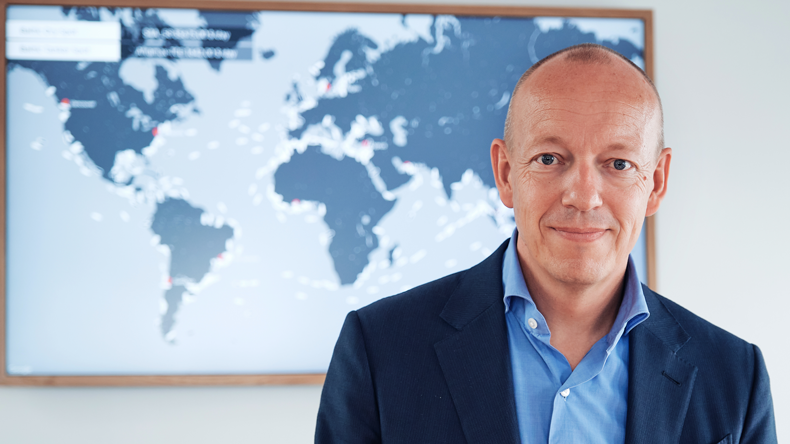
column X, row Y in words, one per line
column 547, row 159
column 621, row 164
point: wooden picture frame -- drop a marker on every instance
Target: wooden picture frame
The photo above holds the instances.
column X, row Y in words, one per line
column 459, row 10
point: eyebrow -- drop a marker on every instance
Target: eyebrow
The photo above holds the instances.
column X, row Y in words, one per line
column 550, row 139
column 617, row 146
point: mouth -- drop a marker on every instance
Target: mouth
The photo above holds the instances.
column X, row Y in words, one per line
column 580, row 234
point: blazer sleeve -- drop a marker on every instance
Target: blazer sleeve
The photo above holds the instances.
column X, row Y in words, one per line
column 348, row 412
column 759, row 425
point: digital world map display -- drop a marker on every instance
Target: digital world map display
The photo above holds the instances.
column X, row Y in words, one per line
column 206, row 192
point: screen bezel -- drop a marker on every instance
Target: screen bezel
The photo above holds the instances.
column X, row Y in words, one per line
column 276, row 379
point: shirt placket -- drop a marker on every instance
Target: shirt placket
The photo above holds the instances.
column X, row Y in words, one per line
column 590, row 366
column 535, row 328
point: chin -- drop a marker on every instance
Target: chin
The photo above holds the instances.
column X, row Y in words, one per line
column 579, row 271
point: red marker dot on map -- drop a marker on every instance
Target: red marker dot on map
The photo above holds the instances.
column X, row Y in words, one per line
column 365, row 142
column 328, row 86
column 295, row 201
column 155, row 131
column 169, row 280
column 407, row 161
column 65, row 101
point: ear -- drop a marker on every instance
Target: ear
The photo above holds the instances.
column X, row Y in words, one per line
column 660, row 177
column 501, row 164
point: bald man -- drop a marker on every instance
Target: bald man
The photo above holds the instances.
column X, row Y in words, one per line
column 553, row 338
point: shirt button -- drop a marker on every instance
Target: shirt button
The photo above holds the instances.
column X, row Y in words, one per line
column 565, row 393
column 533, row 324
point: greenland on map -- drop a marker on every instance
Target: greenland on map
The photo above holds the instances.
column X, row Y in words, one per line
column 204, row 192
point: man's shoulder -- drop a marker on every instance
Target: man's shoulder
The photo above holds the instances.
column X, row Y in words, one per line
column 424, row 300
column 727, row 373
column 399, row 329
column 450, row 300
column 704, row 337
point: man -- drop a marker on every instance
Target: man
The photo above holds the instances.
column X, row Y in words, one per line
column 553, row 338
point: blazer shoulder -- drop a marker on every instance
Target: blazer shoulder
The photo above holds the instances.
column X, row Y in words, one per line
column 704, row 334
column 426, row 299
column 476, row 287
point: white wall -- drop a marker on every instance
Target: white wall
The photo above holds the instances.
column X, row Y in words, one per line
column 723, row 236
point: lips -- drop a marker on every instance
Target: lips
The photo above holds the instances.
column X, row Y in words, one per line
column 580, row 234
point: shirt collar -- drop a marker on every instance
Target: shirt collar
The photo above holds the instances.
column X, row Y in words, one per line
column 633, row 310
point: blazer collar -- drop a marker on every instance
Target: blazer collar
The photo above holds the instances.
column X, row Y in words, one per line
column 660, row 383
column 479, row 288
column 475, row 359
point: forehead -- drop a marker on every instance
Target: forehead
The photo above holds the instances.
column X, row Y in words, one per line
column 566, row 100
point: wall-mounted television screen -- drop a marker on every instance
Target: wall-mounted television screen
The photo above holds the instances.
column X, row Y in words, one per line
column 209, row 192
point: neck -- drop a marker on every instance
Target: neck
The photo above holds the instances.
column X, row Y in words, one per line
column 577, row 315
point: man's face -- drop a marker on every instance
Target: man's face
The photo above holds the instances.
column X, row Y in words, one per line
column 582, row 169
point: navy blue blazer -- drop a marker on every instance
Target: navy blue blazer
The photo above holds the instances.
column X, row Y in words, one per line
column 432, row 365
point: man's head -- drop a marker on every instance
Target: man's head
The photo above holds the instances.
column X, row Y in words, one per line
column 589, row 53
column 582, row 163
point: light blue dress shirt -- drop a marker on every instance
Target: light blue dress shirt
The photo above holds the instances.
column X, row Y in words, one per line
column 553, row 403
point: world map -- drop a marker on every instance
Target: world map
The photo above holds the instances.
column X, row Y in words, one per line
column 216, row 200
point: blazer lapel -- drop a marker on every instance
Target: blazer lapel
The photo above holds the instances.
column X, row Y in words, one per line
column 660, row 383
column 476, row 359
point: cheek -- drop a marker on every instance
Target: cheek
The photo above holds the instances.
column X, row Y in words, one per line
column 533, row 197
column 627, row 191
column 629, row 209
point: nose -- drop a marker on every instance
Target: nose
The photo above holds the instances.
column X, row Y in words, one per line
column 582, row 188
